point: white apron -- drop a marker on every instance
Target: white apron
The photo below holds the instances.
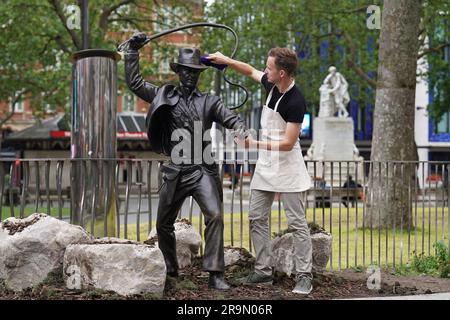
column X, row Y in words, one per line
column 279, row 171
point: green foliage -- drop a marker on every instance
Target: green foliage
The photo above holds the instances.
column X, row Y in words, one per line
column 281, row 233
column 443, row 259
column 424, row 264
column 358, row 269
column 3, row 289
column 303, row 25
column 55, row 278
column 308, row 26
column 186, row 284
column 151, row 296
column 437, row 265
column 437, row 30
column 37, row 45
column 31, row 63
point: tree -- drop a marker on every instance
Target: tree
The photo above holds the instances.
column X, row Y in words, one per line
column 38, row 41
column 393, row 135
column 411, row 30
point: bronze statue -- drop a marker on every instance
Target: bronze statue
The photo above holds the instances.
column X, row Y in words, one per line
column 184, row 108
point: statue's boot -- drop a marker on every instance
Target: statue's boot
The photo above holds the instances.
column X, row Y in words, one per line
column 216, row 281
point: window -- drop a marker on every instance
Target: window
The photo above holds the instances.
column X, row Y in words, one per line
column 49, row 108
column 128, row 102
column 443, row 126
column 360, row 119
column 18, row 106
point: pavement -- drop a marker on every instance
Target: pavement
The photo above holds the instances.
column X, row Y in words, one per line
column 433, row 296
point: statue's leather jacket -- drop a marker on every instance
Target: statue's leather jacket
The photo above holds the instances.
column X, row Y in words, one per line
column 209, row 108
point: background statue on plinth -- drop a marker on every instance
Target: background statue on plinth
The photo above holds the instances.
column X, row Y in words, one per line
column 334, row 95
column 333, row 148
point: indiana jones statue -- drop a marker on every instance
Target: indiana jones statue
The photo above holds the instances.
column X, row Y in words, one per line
column 183, row 108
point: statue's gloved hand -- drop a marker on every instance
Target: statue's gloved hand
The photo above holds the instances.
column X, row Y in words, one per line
column 137, row 40
column 241, row 133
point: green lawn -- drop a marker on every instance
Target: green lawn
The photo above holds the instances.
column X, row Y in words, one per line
column 28, row 210
column 352, row 245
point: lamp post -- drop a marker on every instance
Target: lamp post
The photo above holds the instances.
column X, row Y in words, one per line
column 85, row 24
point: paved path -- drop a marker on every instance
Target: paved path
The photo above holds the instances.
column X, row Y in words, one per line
column 434, row 296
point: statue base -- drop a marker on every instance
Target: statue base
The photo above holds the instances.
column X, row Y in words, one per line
column 333, row 140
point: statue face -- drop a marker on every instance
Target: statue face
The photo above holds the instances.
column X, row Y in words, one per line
column 188, row 76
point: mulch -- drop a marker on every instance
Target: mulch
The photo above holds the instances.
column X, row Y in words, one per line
column 192, row 284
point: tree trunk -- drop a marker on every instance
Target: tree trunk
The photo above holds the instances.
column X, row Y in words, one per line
column 388, row 202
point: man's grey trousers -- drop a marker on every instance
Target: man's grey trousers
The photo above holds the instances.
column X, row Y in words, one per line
column 260, row 208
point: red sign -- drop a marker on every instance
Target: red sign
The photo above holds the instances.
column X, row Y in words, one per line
column 59, row 134
column 134, row 135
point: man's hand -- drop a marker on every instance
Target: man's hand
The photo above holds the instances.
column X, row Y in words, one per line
column 250, row 142
column 244, row 139
column 137, row 41
column 218, row 58
column 241, row 67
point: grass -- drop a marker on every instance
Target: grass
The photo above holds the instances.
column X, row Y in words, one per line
column 353, row 245
column 28, row 210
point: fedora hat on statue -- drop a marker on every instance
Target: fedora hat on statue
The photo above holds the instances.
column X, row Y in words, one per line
column 188, row 57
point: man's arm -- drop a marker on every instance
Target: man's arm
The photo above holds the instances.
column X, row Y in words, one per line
column 241, row 67
column 287, row 144
column 143, row 89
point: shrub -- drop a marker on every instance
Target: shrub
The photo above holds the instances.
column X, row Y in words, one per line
column 433, row 265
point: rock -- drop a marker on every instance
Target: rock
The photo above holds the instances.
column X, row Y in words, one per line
column 321, row 250
column 282, row 251
column 236, row 255
column 31, row 248
column 188, row 241
column 123, row 266
column 231, row 256
column 281, row 254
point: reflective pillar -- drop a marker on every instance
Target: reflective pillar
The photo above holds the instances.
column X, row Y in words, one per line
column 94, row 105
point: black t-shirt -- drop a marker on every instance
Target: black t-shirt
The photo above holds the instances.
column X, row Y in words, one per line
column 292, row 107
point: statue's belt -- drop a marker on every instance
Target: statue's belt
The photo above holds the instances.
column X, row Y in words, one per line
column 186, row 173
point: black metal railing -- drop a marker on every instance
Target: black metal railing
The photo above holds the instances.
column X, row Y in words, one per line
column 352, row 210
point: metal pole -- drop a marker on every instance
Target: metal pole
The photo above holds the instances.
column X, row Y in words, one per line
column 85, row 24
